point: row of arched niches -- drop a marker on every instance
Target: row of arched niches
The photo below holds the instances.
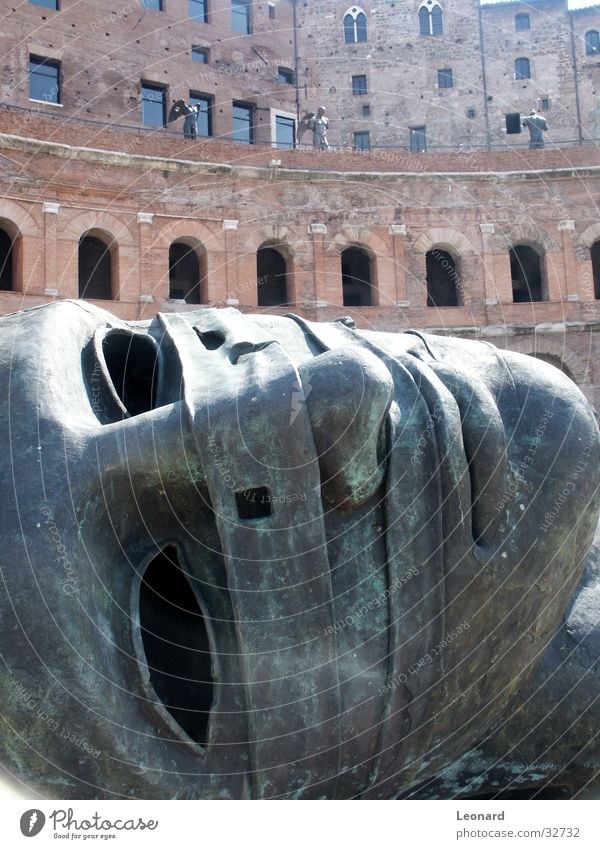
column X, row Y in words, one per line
column 188, row 278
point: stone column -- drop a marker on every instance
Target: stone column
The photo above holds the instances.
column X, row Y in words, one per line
column 51, row 284
column 232, row 271
column 149, row 276
column 571, row 286
column 320, row 284
column 399, row 233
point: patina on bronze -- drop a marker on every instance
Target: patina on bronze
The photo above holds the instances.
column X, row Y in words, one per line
column 255, row 557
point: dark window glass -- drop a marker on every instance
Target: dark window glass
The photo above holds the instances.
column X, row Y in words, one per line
column 359, row 84
column 470, row 113
column 595, row 252
column 522, row 22
column 198, row 10
column 200, row 54
column 526, row 274
column 349, row 36
column 48, row 4
column 184, row 273
column 243, row 130
column 285, row 131
column 366, row 110
column 418, row 139
column 545, row 103
column 271, row 12
column 204, row 101
column 152, row 4
column 6, row 262
column 424, row 22
column 437, row 21
column 271, row 276
column 592, row 43
column 356, row 278
column 522, row 69
column 240, row 16
column 285, row 75
column 445, row 78
column 361, row 27
column 153, row 105
column 442, row 279
column 44, row 79
column 362, row 140
column 95, row 275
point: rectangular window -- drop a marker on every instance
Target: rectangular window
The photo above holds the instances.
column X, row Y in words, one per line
column 285, row 131
column 470, row 113
column 240, row 16
column 522, row 21
column 362, row 140
column 48, row 4
column 366, row 110
column 200, row 54
column 285, row 75
column 445, row 78
column 418, row 140
column 152, row 4
column 205, row 102
column 198, row 11
column 154, row 99
column 44, row 79
column 545, row 103
column 359, row 84
column 243, row 130
column 272, row 11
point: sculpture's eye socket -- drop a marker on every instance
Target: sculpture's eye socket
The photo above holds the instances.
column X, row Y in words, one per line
column 176, row 644
column 132, row 364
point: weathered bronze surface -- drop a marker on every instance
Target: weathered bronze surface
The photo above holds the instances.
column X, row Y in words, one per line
column 253, row 557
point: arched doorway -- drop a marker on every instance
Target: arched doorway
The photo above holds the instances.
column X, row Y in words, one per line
column 95, row 268
column 6, row 261
column 185, row 274
column 595, row 255
column 526, row 274
column 442, row 279
column 271, row 277
column 357, row 288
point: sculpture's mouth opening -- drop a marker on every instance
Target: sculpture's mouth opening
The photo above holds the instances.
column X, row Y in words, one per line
column 176, row 644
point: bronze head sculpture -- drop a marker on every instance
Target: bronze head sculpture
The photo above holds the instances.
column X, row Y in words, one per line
column 255, row 557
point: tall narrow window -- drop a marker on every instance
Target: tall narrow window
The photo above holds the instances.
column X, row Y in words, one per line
column 362, row 140
column 522, row 22
column 44, row 79
column 356, row 278
column 154, row 101
column 285, row 131
column 198, row 11
column 522, row 69
column 431, row 19
column 442, row 279
column 271, row 277
column 417, row 139
column 95, row 268
column 240, row 16
column 205, row 102
column 595, row 253
column 185, row 278
column 355, row 25
column 445, row 78
column 526, row 274
column 6, row 262
column 592, row 43
column 243, row 130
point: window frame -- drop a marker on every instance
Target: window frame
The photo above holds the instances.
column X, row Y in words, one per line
column 237, row 15
column 360, row 85
column 196, row 17
column 522, row 22
column 431, row 19
column 145, row 84
column 251, row 108
column 592, row 45
column 355, row 31
column 285, row 75
column 445, row 78
column 418, row 131
column 201, row 97
column 361, row 135
column 45, row 62
column 519, row 75
column 200, row 50
column 45, row 5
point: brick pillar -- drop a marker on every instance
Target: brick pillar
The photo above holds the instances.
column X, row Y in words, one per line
column 51, row 285
column 398, row 233
column 318, row 233
column 232, row 276
column 491, row 294
column 571, row 288
column 147, row 272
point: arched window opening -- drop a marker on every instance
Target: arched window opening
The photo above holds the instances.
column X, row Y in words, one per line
column 522, row 68
column 526, row 274
column 555, row 361
column 595, row 253
column 355, row 25
column 442, row 279
column 431, row 19
column 95, row 269
column 592, row 43
column 271, row 278
column 357, row 287
column 176, row 644
column 185, row 277
column 6, row 262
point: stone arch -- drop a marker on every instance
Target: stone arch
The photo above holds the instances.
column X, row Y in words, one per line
column 10, row 255
column 528, row 234
column 456, row 268
column 528, row 273
column 119, row 231
column 97, row 264
column 445, row 238
column 273, row 259
column 22, row 220
column 585, row 241
column 187, row 270
column 556, row 352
